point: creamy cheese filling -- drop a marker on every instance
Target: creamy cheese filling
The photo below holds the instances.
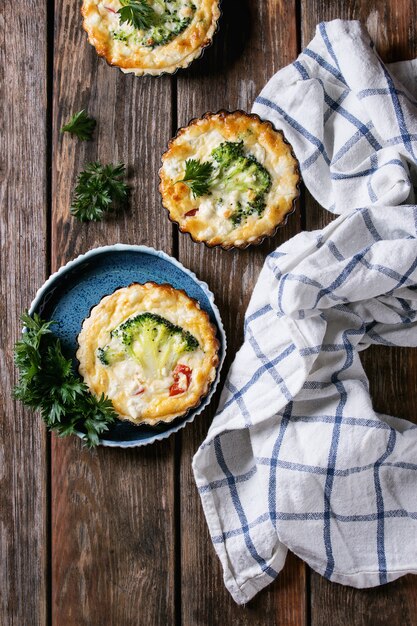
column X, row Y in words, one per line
column 167, row 19
column 126, row 378
column 138, row 385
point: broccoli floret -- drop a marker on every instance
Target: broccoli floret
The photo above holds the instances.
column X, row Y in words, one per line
column 238, row 172
column 258, row 207
column 263, row 177
column 166, row 25
column 153, row 342
column 227, row 152
column 120, row 36
column 109, row 355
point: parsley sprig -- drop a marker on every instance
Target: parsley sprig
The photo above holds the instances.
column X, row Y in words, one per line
column 48, row 383
column 80, row 125
column 98, row 190
column 197, row 177
column 137, row 13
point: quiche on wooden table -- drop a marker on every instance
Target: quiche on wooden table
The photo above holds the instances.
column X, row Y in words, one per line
column 150, row 36
column 151, row 350
column 229, row 179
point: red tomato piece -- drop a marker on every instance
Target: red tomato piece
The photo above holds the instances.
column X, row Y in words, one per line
column 191, row 213
column 176, row 388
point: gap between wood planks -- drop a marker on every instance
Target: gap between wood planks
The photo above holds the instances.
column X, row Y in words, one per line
column 50, row 32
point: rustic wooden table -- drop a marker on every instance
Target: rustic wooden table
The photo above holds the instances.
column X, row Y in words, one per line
column 118, row 537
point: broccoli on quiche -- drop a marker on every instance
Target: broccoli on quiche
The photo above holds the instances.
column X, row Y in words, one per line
column 152, row 341
column 151, row 350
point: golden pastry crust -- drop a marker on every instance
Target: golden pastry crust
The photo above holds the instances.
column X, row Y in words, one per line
column 100, row 17
column 121, row 381
column 196, row 141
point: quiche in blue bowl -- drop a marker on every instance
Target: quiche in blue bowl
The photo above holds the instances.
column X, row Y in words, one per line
column 142, row 329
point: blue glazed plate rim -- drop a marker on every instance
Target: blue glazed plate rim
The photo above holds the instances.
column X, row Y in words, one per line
column 122, row 247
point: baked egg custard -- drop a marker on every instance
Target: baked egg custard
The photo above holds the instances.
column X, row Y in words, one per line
column 151, row 350
column 229, row 179
column 150, row 36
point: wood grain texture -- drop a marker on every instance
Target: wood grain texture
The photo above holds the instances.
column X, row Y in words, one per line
column 392, row 372
column 23, row 202
column 255, row 39
column 130, row 543
column 112, row 517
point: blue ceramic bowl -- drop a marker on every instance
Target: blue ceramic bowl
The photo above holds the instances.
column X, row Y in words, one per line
column 68, row 296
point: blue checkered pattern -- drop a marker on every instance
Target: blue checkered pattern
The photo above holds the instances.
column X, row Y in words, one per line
column 296, row 457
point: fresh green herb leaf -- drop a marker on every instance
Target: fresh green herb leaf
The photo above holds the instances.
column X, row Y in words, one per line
column 99, row 188
column 48, row 384
column 137, row 13
column 197, row 177
column 80, row 125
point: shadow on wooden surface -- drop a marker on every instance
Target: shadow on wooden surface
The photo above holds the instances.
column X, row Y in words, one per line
column 394, row 604
column 234, row 35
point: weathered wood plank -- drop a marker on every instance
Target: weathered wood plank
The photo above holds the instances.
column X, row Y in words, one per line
column 255, row 39
column 23, row 201
column 112, row 517
column 392, row 373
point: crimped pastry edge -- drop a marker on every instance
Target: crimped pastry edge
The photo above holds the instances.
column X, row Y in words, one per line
column 215, row 359
column 169, row 70
column 246, row 244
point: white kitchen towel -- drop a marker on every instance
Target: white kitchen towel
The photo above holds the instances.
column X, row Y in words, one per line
column 296, row 458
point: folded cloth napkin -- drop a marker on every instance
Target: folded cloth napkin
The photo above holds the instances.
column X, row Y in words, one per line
column 296, row 458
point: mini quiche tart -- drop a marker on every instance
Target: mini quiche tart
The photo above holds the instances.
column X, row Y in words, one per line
column 150, row 36
column 151, row 350
column 229, row 179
